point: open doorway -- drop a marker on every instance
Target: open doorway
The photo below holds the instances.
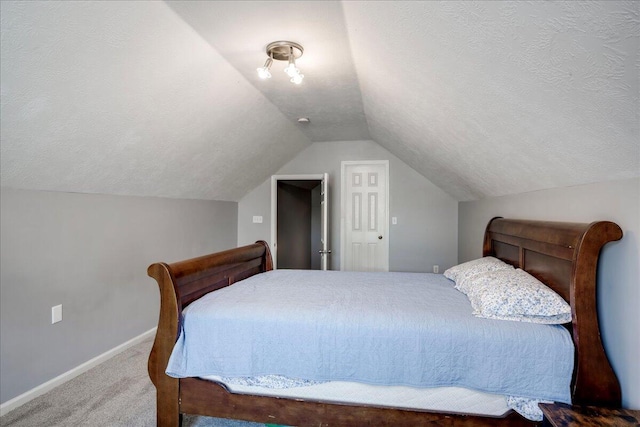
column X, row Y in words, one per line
column 299, row 221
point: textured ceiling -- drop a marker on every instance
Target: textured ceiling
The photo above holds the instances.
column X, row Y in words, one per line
column 492, row 98
column 125, row 98
column 330, row 95
column 162, row 99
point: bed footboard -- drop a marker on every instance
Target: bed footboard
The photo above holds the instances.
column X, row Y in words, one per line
column 180, row 284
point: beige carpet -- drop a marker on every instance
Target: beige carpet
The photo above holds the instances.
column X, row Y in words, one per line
column 116, row 393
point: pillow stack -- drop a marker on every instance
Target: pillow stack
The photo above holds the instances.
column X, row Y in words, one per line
column 496, row 290
column 461, row 273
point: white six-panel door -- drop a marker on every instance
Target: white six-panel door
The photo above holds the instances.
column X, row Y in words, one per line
column 365, row 243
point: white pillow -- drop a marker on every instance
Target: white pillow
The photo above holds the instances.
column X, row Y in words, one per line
column 516, row 295
column 461, row 272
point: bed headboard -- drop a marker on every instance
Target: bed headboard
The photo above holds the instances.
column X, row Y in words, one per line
column 564, row 256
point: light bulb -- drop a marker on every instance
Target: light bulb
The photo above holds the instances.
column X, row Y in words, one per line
column 263, row 73
column 291, row 70
column 297, row 79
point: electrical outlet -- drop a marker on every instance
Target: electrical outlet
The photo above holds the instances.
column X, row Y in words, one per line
column 56, row 314
column 436, row 268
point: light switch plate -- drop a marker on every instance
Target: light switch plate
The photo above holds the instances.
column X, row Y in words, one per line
column 394, row 220
column 56, row 314
column 257, row 219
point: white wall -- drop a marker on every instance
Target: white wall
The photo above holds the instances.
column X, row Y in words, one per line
column 426, row 233
column 89, row 253
column 618, row 274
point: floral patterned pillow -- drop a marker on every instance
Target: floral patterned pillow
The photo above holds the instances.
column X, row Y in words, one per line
column 516, row 295
column 462, row 272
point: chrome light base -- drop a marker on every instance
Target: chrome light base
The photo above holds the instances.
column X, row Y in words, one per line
column 282, row 50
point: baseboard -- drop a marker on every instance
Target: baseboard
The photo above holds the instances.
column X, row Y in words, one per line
column 69, row 375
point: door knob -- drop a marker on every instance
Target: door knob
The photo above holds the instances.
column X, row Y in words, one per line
column 380, row 237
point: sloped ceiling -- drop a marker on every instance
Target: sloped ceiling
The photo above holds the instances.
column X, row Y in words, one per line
column 492, row 98
column 125, row 98
column 330, row 95
column 162, row 98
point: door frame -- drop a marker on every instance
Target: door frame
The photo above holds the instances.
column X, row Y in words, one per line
column 343, row 204
column 274, row 206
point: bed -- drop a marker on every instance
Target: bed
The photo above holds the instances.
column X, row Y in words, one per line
column 562, row 255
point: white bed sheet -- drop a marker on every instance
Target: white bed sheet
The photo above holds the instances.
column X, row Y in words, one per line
column 438, row 399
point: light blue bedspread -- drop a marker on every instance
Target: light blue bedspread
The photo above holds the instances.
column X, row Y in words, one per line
column 410, row 329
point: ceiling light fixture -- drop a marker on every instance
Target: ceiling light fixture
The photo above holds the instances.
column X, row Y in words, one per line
column 283, row 51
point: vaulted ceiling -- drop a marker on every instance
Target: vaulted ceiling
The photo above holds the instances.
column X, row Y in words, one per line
column 162, row 98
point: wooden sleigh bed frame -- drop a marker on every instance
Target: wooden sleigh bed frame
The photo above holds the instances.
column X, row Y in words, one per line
column 562, row 255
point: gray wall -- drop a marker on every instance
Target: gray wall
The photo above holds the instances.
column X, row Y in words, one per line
column 618, row 275
column 90, row 254
column 426, row 233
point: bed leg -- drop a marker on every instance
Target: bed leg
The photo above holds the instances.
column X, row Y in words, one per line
column 168, row 407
